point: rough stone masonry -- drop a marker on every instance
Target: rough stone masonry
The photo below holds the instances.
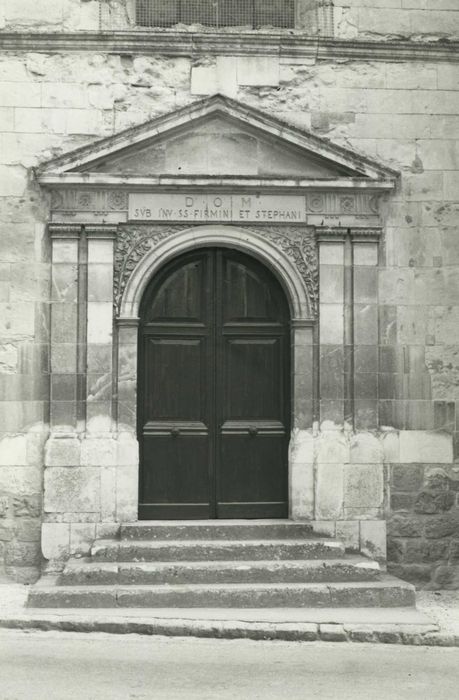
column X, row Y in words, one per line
column 383, row 83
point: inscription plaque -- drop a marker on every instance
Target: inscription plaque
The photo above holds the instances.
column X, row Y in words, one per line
column 217, row 208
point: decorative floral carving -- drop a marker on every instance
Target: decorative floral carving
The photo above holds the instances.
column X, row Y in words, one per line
column 132, row 244
column 347, row 204
column 300, row 246
column 117, row 199
column 84, row 200
column 135, row 241
column 316, row 203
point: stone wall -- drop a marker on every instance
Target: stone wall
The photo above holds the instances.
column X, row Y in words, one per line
column 403, row 113
column 424, row 525
column 346, row 19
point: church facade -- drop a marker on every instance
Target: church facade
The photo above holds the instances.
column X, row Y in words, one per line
column 229, row 265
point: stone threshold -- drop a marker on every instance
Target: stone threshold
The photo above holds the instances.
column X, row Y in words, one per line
column 406, row 626
column 324, row 626
column 192, row 43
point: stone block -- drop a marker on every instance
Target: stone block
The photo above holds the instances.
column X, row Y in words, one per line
column 23, row 554
column 407, row 477
column 301, row 495
column 64, row 286
column 100, row 251
column 63, row 387
column 331, row 283
column 365, row 448
column 329, row 491
column 365, row 324
column 365, row 254
column 258, row 71
column 7, row 119
column 363, row 486
column 373, row 539
column 425, row 446
column 72, row 490
column 127, row 490
column 332, row 324
column 98, row 452
column 100, row 322
column 20, row 94
column 324, row 528
column 108, row 493
column 331, row 371
column 127, row 449
column 349, row 532
column 55, row 540
column 83, row 121
column 98, row 418
column 64, row 322
column 100, row 282
column 365, row 285
column 28, row 530
column 82, row 536
column 99, row 357
column 332, row 448
column 63, row 358
column 107, row 530
column 65, row 251
column 13, row 450
column 331, row 253
column 441, row 526
column 62, row 452
column 204, row 79
column 219, row 76
column 27, row 506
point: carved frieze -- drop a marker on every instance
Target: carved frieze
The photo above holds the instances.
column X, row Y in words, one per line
column 93, row 200
column 135, row 241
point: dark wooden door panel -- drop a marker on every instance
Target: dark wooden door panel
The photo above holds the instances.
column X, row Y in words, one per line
column 171, row 363
column 253, row 378
column 214, row 390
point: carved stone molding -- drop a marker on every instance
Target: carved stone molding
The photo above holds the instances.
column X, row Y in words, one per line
column 132, row 244
column 298, row 243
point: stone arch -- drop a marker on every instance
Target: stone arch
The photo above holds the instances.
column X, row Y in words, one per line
column 251, row 242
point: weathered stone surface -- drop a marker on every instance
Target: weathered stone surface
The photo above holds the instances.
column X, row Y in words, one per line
column 55, row 542
column 422, row 447
column 76, row 489
column 373, row 539
column 62, row 452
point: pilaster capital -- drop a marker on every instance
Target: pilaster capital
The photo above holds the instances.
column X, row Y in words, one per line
column 101, row 231
column 65, row 231
column 365, row 235
column 331, row 235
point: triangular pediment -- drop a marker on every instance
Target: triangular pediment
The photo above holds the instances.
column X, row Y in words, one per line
column 215, row 137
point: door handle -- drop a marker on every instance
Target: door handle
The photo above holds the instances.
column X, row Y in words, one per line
column 253, row 431
column 175, row 432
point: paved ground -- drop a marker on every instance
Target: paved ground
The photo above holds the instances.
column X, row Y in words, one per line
column 57, row 666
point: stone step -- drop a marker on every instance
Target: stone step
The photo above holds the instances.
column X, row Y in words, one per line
column 215, row 530
column 87, row 572
column 208, row 550
column 389, row 592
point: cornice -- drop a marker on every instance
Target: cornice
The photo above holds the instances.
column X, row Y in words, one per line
column 198, row 183
column 241, row 44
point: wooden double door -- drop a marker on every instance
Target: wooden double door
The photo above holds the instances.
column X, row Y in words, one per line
column 214, row 377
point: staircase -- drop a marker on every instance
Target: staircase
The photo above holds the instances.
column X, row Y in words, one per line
column 221, row 564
